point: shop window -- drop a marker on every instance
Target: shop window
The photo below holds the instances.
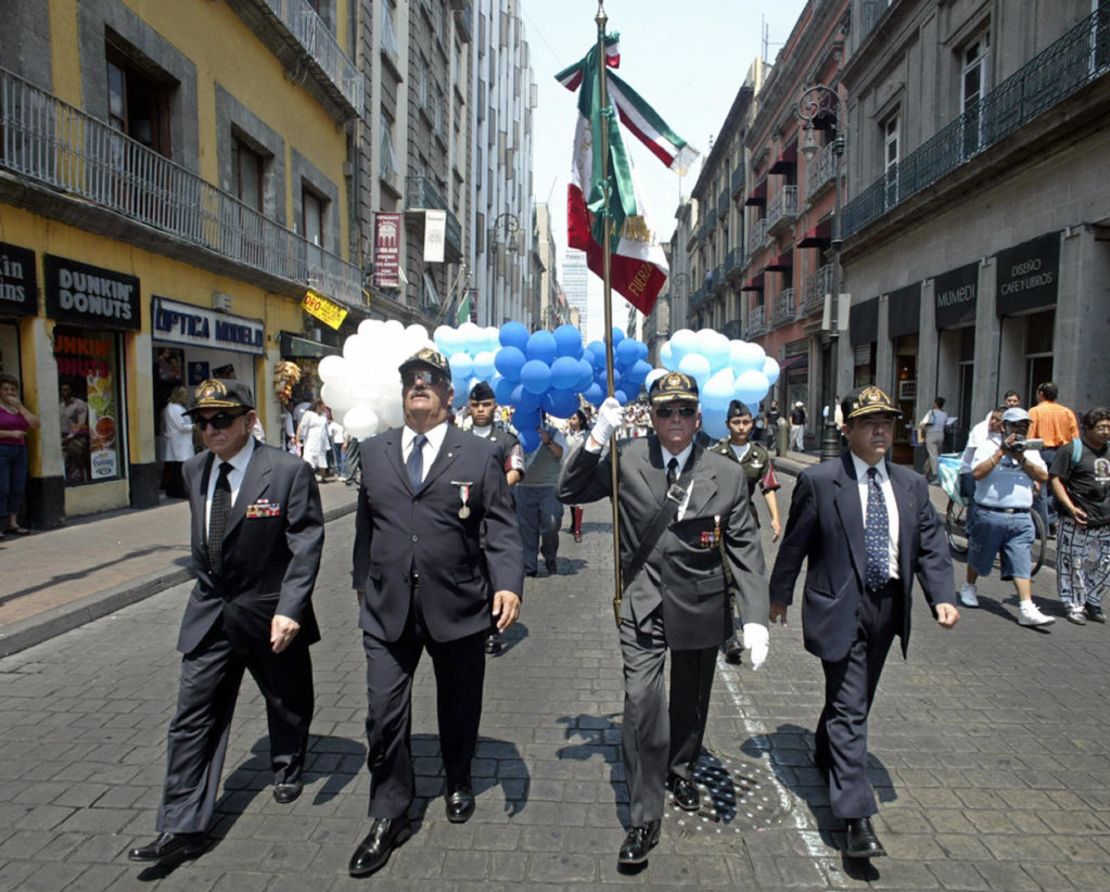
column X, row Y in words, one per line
column 89, row 399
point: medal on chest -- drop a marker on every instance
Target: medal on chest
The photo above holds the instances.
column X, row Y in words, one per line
column 464, row 496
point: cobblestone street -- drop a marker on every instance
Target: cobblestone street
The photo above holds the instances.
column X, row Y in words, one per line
column 989, row 754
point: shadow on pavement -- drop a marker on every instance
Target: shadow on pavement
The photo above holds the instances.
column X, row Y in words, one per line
column 511, row 637
column 598, row 737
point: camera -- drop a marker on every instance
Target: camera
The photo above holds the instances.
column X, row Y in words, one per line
column 1021, row 444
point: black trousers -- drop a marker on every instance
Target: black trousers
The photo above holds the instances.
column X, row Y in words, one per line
column 198, row 735
column 460, row 670
column 850, row 683
column 660, row 737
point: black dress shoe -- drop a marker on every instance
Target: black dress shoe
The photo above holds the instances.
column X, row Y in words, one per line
column 860, row 840
column 552, row 567
column 384, row 836
column 169, row 848
column 733, row 651
column 286, row 793
column 460, row 804
column 638, row 842
column 494, row 644
column 687, row 796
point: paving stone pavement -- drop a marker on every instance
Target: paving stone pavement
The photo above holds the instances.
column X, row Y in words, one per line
column 989, row 754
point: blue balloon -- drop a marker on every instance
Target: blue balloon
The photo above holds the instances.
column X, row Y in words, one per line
column 560, row 403
column 626, row 353
column 641, row 350
column 618, row 336
column 503, row 391
column 597, row 348
column 509, row 361
column 513, row 334
column 564, row 373
column 535, row 376
column 638, row 373
column 529, row 420
column 714, row 422
column 594, row 394
column 529, row 439
column 526, row 401
column 568, row 341
column 541, row 347
column 597, row 360
column 620, row 395
column 585, row 375
column 461, row 365
column 666, row 358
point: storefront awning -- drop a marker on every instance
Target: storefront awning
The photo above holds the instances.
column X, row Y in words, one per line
column 798, row 361
column 818, row 237
column 755, row 283
column 787, row 161
column 758, row 195
column 295, row 347
column 783, row 262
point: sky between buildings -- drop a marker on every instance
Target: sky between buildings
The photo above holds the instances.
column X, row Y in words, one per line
column 687, row 59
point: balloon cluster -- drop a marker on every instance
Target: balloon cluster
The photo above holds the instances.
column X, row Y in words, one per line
column 725, row 370
column 547, row 371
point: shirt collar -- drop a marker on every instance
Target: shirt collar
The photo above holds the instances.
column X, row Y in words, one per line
column 435, row 436
column 240, row 459
column 862, row 467
column 682, row 456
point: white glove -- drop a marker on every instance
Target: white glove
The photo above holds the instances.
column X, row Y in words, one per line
column 610, row 417
column 758, row 642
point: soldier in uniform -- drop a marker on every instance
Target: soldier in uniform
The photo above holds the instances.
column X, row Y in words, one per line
column 483, row 411
column 755, row 461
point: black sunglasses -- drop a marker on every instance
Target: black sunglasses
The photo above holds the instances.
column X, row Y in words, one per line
column 685, row 412
column 427, row 377
column 220, row 421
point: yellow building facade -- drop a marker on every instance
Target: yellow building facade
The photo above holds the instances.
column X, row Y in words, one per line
column 173, row 180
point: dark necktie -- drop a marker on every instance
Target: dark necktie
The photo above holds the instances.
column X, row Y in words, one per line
column 876, row 533
column 217, row 518
column 415, row 464
column 672, row 471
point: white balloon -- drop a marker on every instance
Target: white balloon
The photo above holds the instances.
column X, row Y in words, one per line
column 361, row 422
column 356, row 346
column 417, row 331
column 330, row 368
column 652, row 376
column 336, row 397
column 369, row 326
column 392, row 413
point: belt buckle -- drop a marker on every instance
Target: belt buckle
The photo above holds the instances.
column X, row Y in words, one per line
column 676, row 493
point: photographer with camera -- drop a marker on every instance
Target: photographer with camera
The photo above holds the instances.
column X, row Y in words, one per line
column 1004, row 476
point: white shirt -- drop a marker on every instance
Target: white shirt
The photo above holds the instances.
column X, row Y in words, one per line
column 235, row 476
column 1007, row 486
column 891, row 506
column 682, row 458
column 980, row 434
column 935, row 420
column 431, row 445
column 740, row 451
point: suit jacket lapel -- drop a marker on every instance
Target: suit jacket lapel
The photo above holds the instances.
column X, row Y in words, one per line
column 198, row 497
column 448, row 452
column 907, row 513
column 851, row 514
column 654, row 474
column 703, row 481
column 255, row 482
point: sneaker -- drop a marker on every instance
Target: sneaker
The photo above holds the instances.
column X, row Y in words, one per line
column 1077, row 615
column 968, row 596
column 1095, row 614
column 1030, row 615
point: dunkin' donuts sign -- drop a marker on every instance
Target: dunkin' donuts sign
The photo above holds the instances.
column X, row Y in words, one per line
column 89, row 295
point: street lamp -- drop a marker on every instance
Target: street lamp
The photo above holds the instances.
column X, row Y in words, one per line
column 508, row 224
column 819, row 101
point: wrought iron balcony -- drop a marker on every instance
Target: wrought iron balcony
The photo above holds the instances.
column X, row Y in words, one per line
column 817, row 286
column 820, row 171
column 734, row 262
column 732, row 330
column 698, row 297
column 756, row 238
column 421, row 195
column 57, row 145
column 723, row 202
column 297, row 34
column 1078, row 58
column 782, row 209
column 784, row 309
column 756, row 323
column 720, row 277
column 738, row 180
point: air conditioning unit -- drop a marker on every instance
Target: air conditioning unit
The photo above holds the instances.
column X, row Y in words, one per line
column 221, row 301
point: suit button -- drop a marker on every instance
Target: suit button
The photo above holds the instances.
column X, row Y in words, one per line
column 415, row 538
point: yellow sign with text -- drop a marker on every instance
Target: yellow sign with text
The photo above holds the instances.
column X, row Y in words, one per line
column 328, row 312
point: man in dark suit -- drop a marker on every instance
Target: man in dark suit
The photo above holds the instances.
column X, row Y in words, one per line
column 437, row 562
column 257, row 532
column 675, row 589
column 866, row 528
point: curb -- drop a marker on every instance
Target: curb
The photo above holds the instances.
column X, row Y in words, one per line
column 51, row 623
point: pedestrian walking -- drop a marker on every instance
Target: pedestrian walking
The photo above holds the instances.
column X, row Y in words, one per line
column 1057, row 427
column 684, row 515
column 578, row 428
column 15, row 421
column 537, row 507
column 865, row 528
column 437, row 562
column 482, row 404
column 1080, row 478
column 312, row 436
column 1005, row 473
column 257, row 536
column 931, row 428
column 176, row 441
column 755, row 461
column 338, row 437
column 798, row 427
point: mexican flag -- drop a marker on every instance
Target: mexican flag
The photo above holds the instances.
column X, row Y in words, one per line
column 638, row 266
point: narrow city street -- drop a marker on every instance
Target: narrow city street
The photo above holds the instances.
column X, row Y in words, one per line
column 989, row 754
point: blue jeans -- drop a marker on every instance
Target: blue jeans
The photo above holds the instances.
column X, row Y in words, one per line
column 540, row 515
column 13, row 477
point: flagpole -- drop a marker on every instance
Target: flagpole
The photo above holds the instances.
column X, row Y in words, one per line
column 606, row 263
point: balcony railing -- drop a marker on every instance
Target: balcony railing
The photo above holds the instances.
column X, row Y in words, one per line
column 784, row 309
column 756, row 238
column 782, row 209
column 820, row 171
column 720, row 277
column 734, row 262
column 60, row 146
column 420, row 195
column 738, row 180
column 313, row 35
column 723, row 202
column 1075, row 60
column 756, row 323
column 732, row 330
column 817, row 286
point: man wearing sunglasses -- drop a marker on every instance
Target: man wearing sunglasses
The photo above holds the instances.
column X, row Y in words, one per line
column 257, row 536
column 684, row 515
column 437, row 566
